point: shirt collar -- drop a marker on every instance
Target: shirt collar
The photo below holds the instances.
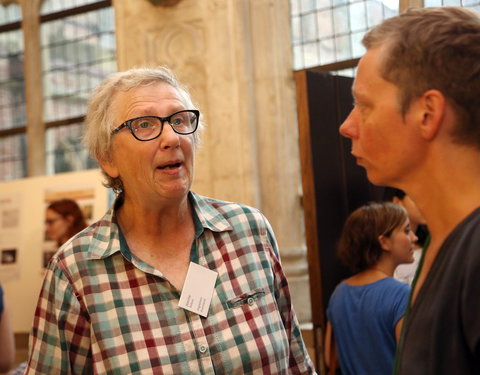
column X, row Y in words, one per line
column 106, row 238
column 207, row 214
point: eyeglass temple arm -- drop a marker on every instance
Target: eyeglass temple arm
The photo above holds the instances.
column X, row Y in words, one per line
column 116, row 130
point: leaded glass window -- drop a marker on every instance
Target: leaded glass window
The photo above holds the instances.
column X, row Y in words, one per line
column 13, row 147
column 13, row 150
column 329, row 31
column 78, row 52
column 473, row 4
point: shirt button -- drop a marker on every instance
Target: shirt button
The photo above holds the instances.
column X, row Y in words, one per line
column 203, row 349
column 250, row 301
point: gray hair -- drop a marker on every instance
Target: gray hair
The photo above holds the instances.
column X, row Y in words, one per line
column 99, row 117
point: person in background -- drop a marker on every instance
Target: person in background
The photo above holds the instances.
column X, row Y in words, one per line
column 416, row 126
column 365, row 311
column 7, row 341
column 112, row 297
column 63, row 219
column 406, row 272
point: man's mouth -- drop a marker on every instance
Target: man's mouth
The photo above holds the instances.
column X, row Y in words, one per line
column 358, row 159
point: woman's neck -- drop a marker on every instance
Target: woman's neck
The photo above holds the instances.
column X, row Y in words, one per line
column 369, row 275
column 383, row 271
column 147, row 219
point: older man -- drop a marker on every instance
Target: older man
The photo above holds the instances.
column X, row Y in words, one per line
column 416, row 126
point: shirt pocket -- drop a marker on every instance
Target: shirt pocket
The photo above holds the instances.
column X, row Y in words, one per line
column 250, row 298
column 254, row 316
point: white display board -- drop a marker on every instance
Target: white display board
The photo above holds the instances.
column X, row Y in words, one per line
column 23, row 246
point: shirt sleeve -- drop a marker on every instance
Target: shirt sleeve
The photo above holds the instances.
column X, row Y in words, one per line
column 60, row 337
column 400, row 301
column 299, row 362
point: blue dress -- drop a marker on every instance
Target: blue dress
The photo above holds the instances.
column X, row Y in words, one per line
column 363, row 319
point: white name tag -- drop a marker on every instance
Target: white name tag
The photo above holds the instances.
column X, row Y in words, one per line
column 198, row 289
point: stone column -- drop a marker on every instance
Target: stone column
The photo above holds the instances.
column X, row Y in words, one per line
column 235, row 56
column 33, row 87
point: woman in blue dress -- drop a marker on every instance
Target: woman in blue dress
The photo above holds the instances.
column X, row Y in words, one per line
column 365, row 311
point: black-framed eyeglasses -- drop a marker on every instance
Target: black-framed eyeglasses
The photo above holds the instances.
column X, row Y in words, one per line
column 146, row 128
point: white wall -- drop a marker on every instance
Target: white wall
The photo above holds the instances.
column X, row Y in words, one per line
column 22, row 281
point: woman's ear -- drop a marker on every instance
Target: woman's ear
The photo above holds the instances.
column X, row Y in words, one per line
column 384, row 242
column 109, row 167
column 70, row 219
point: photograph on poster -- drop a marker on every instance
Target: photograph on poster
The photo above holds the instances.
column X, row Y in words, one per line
column 9, row 256
column 61, row 220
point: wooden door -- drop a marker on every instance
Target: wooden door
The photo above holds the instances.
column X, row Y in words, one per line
column 333, row 185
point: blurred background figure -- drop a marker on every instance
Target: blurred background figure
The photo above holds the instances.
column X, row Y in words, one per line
column 7, row 342
column 64, row 218
column 418, row 225
column 365, row 311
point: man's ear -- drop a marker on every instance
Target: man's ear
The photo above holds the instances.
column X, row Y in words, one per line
column 384, row 242
column 432, row 105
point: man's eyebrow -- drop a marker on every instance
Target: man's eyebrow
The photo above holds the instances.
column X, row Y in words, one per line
column 359, row 95
column 354, row 95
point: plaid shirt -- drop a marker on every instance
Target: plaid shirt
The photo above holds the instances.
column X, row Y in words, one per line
column 102, row 310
